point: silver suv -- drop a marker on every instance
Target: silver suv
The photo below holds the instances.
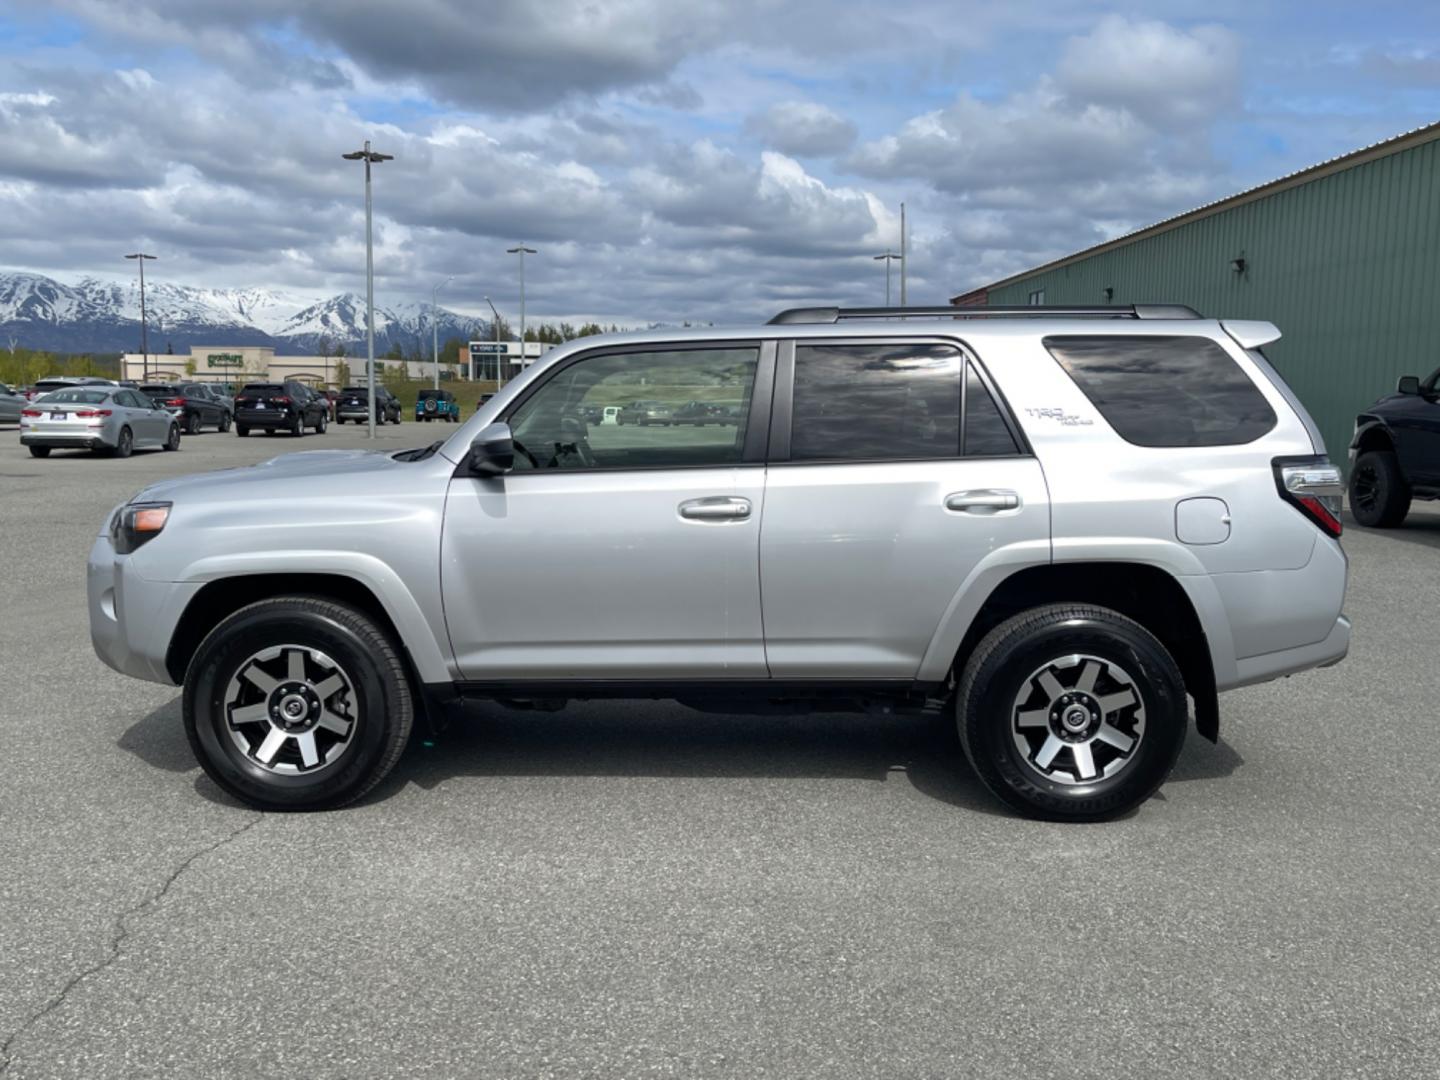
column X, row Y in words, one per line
column 1058, row 523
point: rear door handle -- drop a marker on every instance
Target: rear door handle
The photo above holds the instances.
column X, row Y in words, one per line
column 715, row 508
column 988, row 501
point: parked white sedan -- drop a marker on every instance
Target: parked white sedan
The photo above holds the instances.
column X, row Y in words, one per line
column 113, row 419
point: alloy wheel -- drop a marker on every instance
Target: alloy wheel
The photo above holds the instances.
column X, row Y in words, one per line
column 1078, row 719
column 1364, row 487
column 291, row 709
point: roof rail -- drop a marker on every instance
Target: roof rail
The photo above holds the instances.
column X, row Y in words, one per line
column 1116, row 311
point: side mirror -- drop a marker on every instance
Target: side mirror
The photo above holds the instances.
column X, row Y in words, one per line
column 1408, row 384
column 492, row 453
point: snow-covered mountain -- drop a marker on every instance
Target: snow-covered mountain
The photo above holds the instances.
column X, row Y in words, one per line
column 104, row 316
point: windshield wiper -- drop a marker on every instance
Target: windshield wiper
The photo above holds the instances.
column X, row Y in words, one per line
column 419, row 453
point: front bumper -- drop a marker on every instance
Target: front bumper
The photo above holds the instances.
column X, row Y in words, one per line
column 132, row 620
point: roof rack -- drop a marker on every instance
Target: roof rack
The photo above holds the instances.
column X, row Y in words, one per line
column 949, row 311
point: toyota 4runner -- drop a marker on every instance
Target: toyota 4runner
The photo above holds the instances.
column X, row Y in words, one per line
column 1070, row 528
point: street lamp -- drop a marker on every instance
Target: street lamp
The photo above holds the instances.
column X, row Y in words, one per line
column 495, row 325
column 369, row 156
column 889, row 257
column 434, row 327
column 140, row 258
column 522, row 251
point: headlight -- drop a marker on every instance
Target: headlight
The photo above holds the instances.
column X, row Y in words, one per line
column 137, row 523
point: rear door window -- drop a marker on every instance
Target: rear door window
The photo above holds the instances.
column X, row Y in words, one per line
column 883, row 402
column 986, row 433
column 1157, row 390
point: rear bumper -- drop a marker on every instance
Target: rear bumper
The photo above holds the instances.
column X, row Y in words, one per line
column 265, row 418
column 131, row 619
column 63, row 442
column 350, row 412
column 1267, row 666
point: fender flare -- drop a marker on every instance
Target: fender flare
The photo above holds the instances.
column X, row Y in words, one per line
column 433, row 660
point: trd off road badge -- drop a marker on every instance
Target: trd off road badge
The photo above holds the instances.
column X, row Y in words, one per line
column 1068, row 419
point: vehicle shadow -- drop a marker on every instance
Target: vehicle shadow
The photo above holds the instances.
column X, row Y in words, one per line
column 663, row 739
column 1422, row 526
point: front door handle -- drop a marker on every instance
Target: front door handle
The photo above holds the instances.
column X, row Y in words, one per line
column 715, row 508
column 988, row 501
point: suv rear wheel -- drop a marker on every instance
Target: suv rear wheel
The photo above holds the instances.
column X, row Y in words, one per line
column 1379, row 495
column 297, row 703
column 1071, row 712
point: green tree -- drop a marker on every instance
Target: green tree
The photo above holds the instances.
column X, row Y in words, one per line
column 395, row 352
column 189, row 366
column 342, row 373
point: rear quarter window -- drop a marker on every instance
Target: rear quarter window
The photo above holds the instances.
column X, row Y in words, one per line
column 1161, row 391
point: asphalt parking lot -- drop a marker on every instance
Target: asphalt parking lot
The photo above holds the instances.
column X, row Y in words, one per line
column 641, row 890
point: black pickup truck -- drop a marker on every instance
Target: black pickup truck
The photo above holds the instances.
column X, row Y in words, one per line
column 1395, row 453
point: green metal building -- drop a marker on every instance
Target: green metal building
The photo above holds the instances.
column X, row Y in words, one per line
column 1343, row 257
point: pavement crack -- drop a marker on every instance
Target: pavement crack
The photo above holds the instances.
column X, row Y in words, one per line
column 118, row 936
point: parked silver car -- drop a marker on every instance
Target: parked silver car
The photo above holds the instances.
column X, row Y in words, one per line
column 11, row 403
column 112, row 418
column 1057, row 526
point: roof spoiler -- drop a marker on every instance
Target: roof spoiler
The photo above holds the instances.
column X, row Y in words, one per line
column 1251, row 333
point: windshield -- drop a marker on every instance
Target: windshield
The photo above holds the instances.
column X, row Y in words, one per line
column 77, row 397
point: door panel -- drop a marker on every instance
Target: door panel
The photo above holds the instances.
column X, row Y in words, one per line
column 597, row 575
column 859, row 561
column 614, row 552
column 1415, row 420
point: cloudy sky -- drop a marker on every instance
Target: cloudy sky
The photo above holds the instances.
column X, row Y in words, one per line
column 670, row 159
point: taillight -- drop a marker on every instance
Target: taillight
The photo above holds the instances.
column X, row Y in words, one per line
column 91, row 414
column 1314, row 487
column 279, row 401
column 176, row 401
column 30, row 412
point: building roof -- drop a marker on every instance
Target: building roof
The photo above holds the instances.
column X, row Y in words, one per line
column 1384, row 148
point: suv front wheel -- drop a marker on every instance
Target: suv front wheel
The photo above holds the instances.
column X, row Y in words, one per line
column 1071, row 712
column 297, row 703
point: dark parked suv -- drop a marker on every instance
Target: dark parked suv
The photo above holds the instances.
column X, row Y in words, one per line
column 191, row 404
column 1395, row 453
column 287, row 406
column 354, row 404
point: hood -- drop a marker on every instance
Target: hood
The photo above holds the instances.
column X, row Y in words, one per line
column 301, row 466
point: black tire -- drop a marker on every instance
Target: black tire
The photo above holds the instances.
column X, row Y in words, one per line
column 320, row 425
column 192, row 423
column 1379, row 493
column 224, row 424
column 297, row 426
column 269, row 431
column 172, row 438
column 340, row 420
column 381, row 716
column 124, row 444
column 40, row 451
column 1008, row 663
column 242, row 431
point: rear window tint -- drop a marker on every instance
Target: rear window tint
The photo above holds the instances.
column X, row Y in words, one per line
column 263, row 388
column 986, row 433
column 1165, row 390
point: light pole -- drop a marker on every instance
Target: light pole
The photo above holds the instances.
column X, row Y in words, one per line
column 369, row 156
column 140, row 258
column 889, row 257
column 495, row 325
column 522, row 251
column 905, row 262
column 434, row 327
